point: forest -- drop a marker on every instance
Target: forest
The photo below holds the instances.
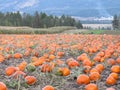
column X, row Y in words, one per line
column 37, row 20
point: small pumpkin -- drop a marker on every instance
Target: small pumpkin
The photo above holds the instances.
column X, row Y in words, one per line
column 82, row 57
column 45, row 68
column 60, row 53
column 99, row 67
column 17, row 55
column 51, row 57
column 63, row 71
column 114, row 75
column 73, row 63
column 2, row 86
column 10, row 70
column 48, row 87
column 86, row 69
column 39, row 62
column 22, row 65
column 30, row 80
column 111, row 61
column 87, row 62
column 101, row 54
column 94, row 70
column 97, row 58
column 115, row 68
column 91, row 86
column 118, row 60
column 110, row 80
column 94, row 76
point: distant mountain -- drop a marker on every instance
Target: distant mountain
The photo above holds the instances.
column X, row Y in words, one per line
column 77, row 8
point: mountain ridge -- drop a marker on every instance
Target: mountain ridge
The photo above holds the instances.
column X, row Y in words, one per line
column 78, row 8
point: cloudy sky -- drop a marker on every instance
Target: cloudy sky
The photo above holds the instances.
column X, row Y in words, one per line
column 59, row 7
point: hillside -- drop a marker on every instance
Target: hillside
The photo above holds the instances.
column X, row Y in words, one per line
column 80, row 8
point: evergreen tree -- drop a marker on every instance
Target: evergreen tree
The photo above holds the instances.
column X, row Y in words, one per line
column 36, row 22
column 115, row 22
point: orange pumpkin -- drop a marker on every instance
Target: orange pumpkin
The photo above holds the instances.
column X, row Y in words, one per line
column 101, row 54
column 30, row 80
column 111, row 61
column 83, row 79
column 17, row 55
column 94, row 76
column 45, row 68
column 115, row 68
column 51, row 57
column 114, row 75
column 91, row 87
column 2, row 86
column 48, row 87
column 86, row 69
column 99, row 67
column 64, row 71
column 97, row 58
column 10, row 70
column 110, row 80
column 87, row 63
column 73, row 63
column 22, row 65
column 39, row 62
column 94, row 70
column 82, row 57
column 118, row 60
column 60, row 53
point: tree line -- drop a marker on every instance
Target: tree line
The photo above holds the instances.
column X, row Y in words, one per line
column 37, row 20
column 116, row 22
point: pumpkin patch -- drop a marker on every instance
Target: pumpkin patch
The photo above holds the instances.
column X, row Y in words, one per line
column 59, row 61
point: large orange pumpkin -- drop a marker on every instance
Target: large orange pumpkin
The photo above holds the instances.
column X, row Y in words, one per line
column 83, row 79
